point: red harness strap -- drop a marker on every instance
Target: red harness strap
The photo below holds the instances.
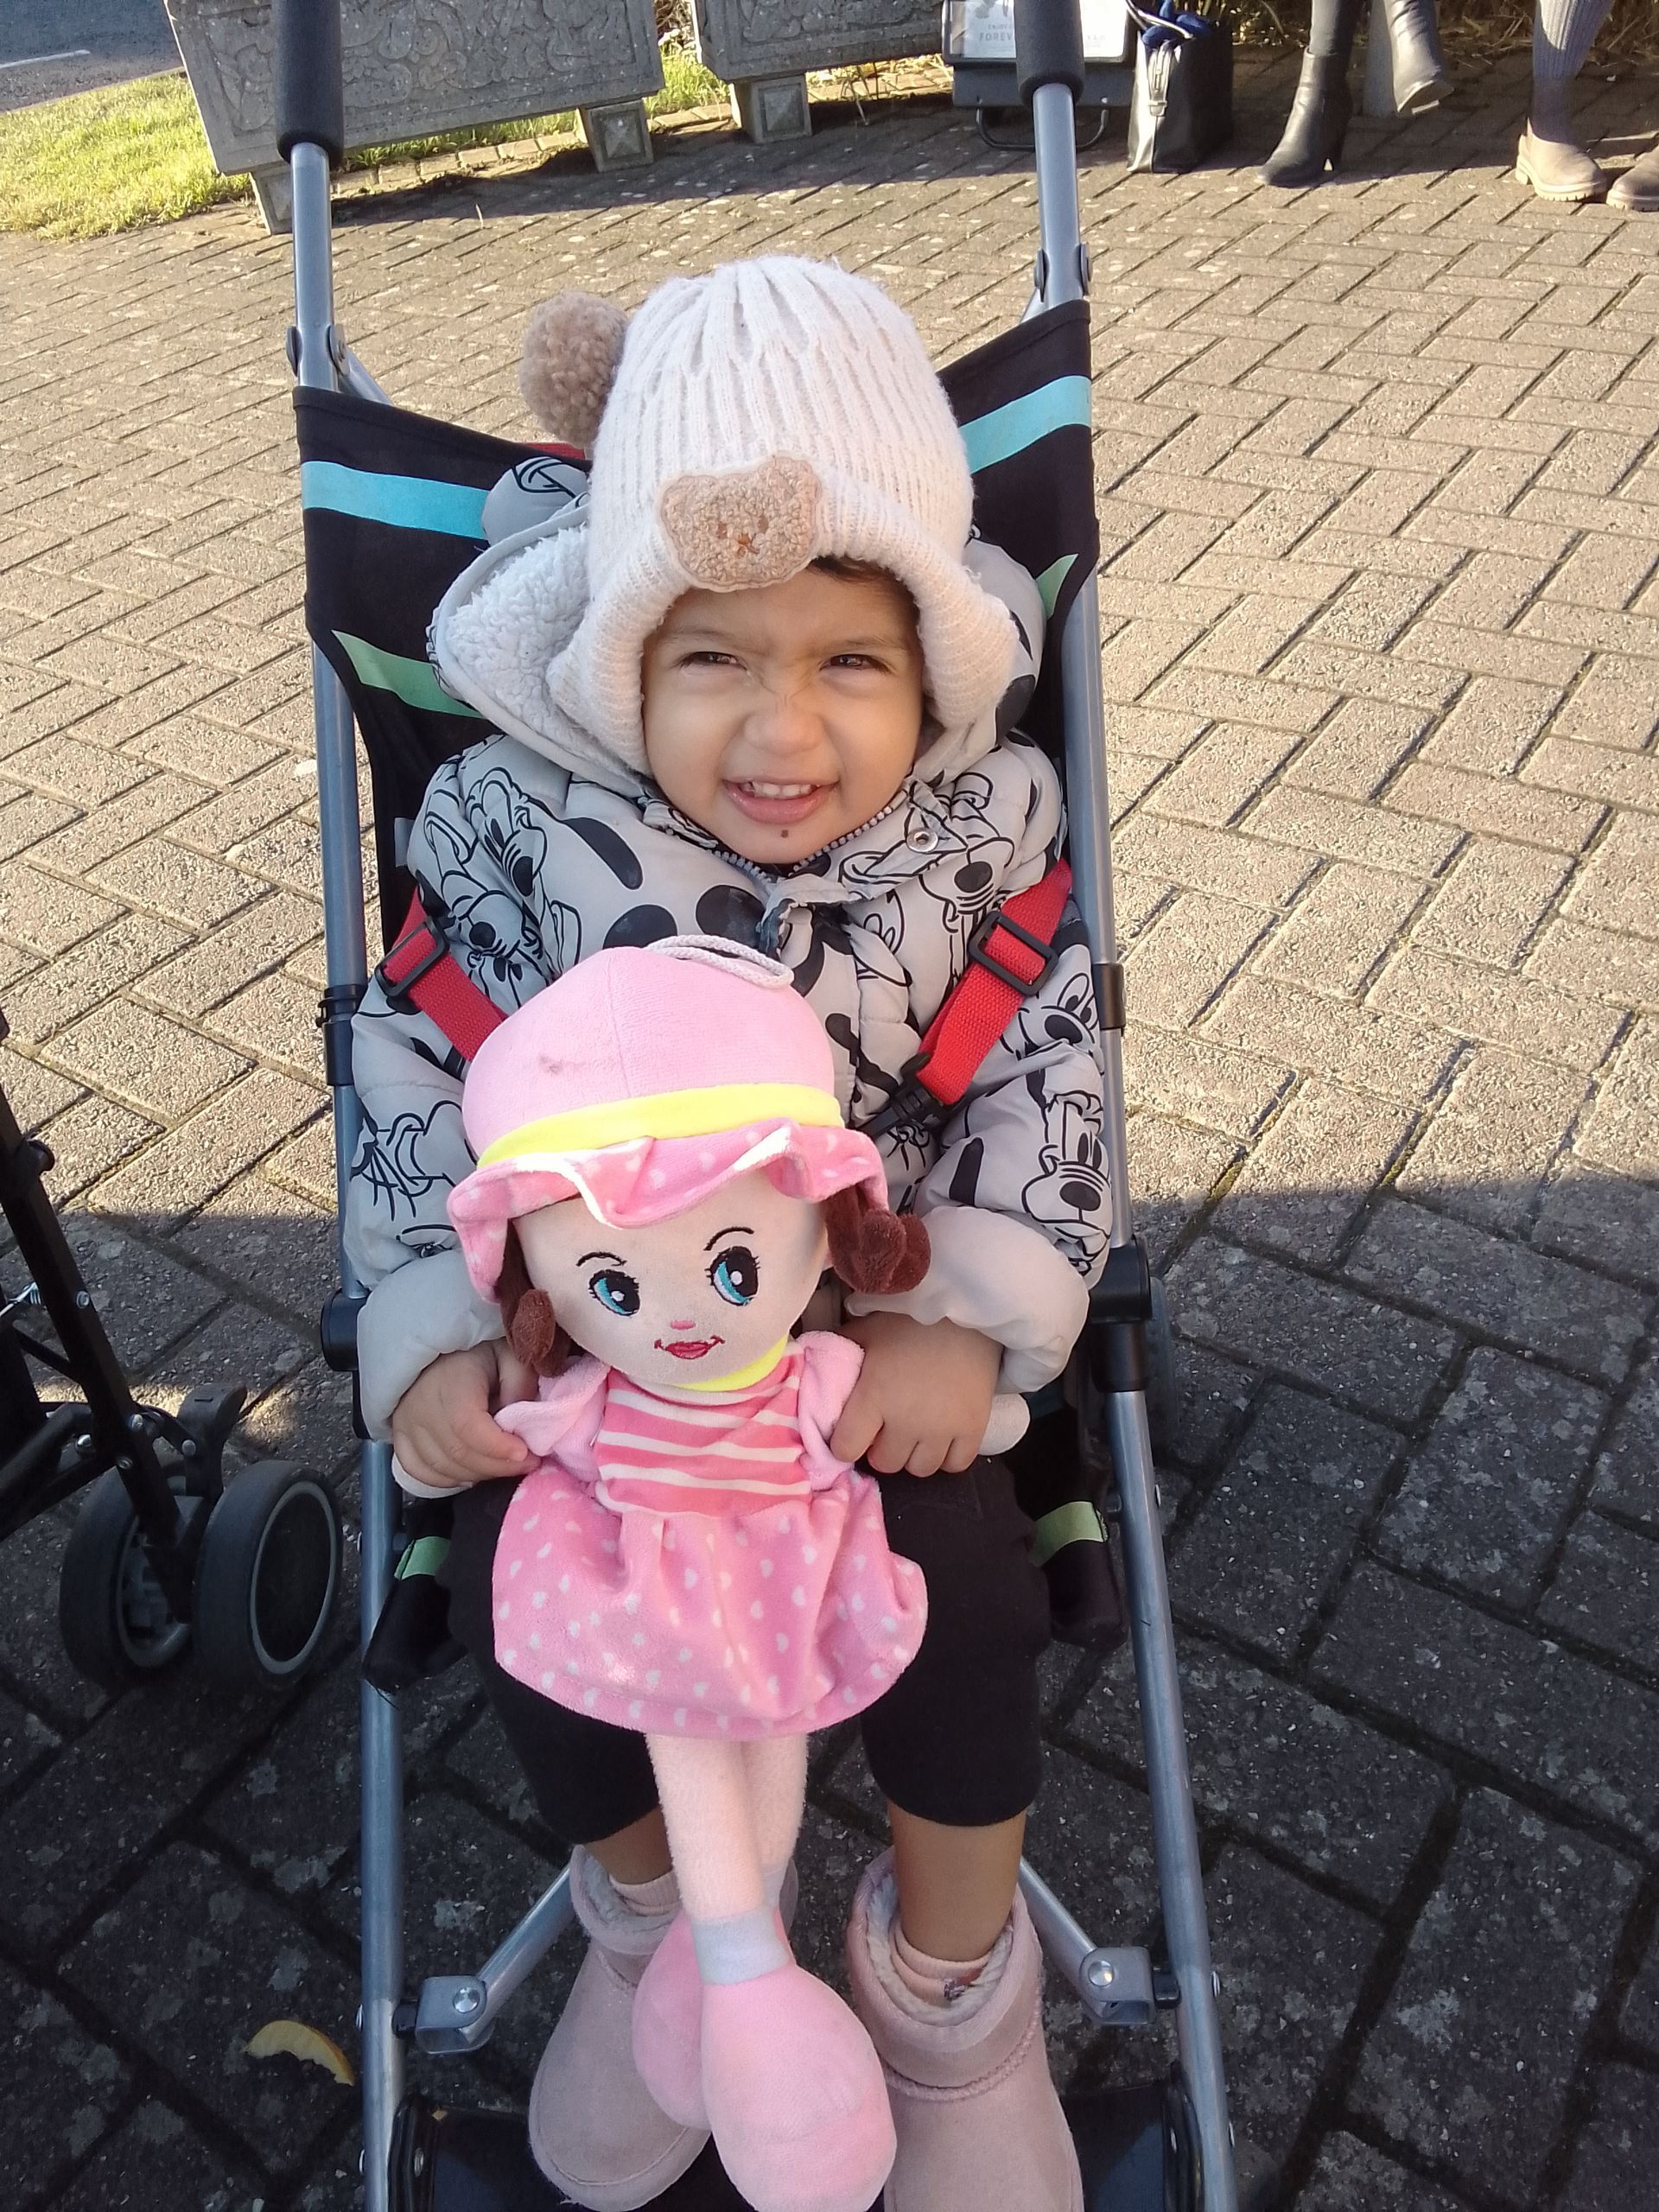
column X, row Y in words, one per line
column 1009, row 957
column 420, row 971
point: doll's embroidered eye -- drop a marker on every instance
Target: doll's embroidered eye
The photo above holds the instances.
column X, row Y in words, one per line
column 735, row 1275
column 616, row 1293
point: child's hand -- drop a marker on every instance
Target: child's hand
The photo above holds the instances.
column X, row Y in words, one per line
column 441, row 1429
column 923, row 1396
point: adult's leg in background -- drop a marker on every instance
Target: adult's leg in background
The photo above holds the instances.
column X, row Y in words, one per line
column 1318, row 122
column 1549, row 157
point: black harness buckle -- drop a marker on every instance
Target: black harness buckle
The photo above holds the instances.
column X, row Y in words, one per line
column 397, row 991
column 980, row 954
column 911, row 1104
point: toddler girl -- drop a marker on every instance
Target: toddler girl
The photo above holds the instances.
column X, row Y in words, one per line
column 751, row 688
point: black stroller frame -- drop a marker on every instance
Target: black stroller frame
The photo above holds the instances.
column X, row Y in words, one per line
column 1168, row 2145
column 164, row 1551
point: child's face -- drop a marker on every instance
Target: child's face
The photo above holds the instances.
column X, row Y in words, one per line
column 779, row 719
column 685, row 1301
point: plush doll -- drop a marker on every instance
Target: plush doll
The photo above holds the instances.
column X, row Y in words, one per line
column 663, row 1170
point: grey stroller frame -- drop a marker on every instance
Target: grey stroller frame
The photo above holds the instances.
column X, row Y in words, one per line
column 1117, row 1987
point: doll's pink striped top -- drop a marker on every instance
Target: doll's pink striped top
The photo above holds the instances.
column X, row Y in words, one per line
column 745, row 1446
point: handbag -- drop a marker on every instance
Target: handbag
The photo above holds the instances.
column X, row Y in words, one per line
column 1182, row 106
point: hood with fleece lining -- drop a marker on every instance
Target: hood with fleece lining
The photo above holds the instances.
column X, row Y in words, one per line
column 501, row 630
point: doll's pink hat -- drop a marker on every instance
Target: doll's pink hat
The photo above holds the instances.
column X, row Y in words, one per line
column 643, row 1079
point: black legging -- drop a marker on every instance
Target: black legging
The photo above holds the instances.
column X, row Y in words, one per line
column 954, row 1740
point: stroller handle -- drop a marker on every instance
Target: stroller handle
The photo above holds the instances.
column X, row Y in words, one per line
column 306, row 70
column 1047, row 45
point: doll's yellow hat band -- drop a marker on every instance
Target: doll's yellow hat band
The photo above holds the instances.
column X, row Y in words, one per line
column 713, row 1111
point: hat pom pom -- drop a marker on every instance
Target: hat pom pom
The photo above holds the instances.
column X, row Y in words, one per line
column 572, row 344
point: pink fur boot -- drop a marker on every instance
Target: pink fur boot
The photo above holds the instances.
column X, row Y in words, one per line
column 594, row 2130
column 979, row 2125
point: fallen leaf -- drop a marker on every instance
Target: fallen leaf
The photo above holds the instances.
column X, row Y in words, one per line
column 293, row 2039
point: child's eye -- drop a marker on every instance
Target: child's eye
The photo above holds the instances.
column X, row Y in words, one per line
column 856, row 660
column 616, row 1293
column 707, row 657
column 735, row 1275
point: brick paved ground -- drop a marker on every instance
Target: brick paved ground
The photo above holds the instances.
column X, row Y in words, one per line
column 1383, row 654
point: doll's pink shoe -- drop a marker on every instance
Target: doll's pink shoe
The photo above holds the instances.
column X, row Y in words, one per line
column 794, row 2094
column 594, row 2129
column 668, row 2015
column 668, row 2027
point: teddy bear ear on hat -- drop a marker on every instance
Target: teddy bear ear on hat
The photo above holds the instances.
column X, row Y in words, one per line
column 572, row 344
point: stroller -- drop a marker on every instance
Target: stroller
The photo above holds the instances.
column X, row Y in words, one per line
column 390, row 494
column 166, row 1554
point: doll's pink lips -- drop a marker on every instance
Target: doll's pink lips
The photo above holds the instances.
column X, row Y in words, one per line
column 691, row 1347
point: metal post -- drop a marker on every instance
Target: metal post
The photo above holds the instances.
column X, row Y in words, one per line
column 1175, row 1835
column 381, row 1840
column 380, row 1849
column 1063, row 274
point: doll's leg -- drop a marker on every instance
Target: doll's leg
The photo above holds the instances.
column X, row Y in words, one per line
column 705, row 1795
column 775, row 1769
column 791, row 2086
column 668, row 2009
column 711, row 1800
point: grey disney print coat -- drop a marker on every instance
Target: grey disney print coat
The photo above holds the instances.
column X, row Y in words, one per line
column 537, row 849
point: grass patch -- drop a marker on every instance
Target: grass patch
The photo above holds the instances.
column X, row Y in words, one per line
column 104, row 160
column 107, row 160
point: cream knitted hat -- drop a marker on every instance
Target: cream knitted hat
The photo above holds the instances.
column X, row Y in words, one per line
column 760, row 417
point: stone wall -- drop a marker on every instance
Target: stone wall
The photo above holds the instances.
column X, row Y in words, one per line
column 743, row 38
column 416, row 67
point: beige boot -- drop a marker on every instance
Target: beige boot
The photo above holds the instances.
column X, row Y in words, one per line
column 594, row 2131
column 1558, row 170
column 1636, row 190
column 979, row 2123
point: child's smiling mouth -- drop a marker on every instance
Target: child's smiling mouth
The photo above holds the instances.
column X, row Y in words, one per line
column 771, row 802
column 689, row 1347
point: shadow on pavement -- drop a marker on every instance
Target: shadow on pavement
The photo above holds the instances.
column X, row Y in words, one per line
column 1413, row 1516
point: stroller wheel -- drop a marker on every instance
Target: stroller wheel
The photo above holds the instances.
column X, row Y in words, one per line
column 444, row 2159
column 1137, row 2147
column 117, row 1624
column 1161, row 1371
column 266, row 1576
